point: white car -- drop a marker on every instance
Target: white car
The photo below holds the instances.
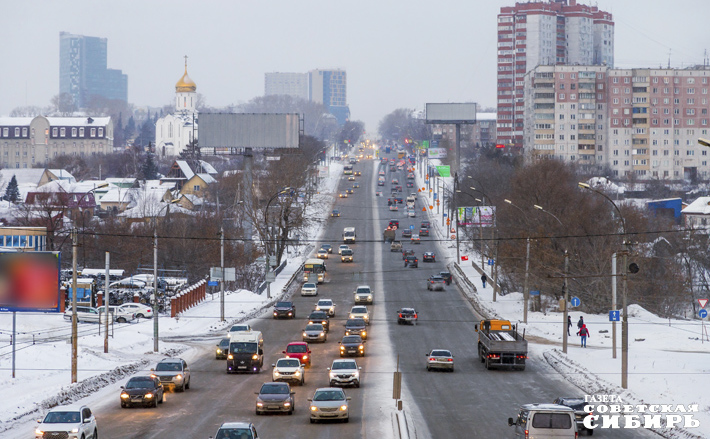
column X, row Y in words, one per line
column 120, row 314
column 322, row 254
column 342, row 247
column 344, row 372
column 326, row 305
column 363, row 294
column 360, row 312
column 309, row 289
column 140, row 310
column 411, row 213
column 71, row 422
column 329, row 403
column 289, row 370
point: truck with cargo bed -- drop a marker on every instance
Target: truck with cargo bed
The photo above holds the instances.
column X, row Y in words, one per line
column 389, row 234
column 500, row 345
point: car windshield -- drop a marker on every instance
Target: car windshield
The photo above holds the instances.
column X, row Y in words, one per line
column 407, row 311
column 437, row 278
column 355, row 322
column 274, row 389
column 297, row 349
column 224, row 343
column 283, row 305
column 319, row 315
column 359, row 310
column 325, row 303
column 340, row 365
column 309, row 285
column 62, row 418
column 168, row 367
column 314, row 328
column 351, row 339
column 288, row 363
column 329, row 395
column 321, row 251
column 234, row 433
column 242, row 348
column 239, row 328
column 576, row 404
column 363, row 291
column 347, row 252
column 140, row 383
column 440, row 353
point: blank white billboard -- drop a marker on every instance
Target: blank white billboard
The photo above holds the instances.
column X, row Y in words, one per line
column 451, row 113
column 249, row 130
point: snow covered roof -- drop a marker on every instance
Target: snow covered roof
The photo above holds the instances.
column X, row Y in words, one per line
column 207, row 168
column 486, row 116
column 194, row 199
column 207, row 178
column 62, row 174
column 81, row 121
column 185, row 168
column 701, row 206
column 117, row 195
column 29, row 176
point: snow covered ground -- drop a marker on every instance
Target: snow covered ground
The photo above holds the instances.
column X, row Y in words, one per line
column 43, row 352
column 668, row 359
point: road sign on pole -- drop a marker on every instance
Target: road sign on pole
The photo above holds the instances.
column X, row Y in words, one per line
column 490, row 262
column 703, row 302
column 614, row 316
column 703, row 313
column 212, row 283
column 534, row 293
column 575, row 302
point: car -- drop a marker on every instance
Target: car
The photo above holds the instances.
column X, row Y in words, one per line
column 241, row 430
column 289, row 370
column 86, row 314
column 399, row 199
column 394, row 208
column 545, row 420
column 407, row 252
column 410, row 184
column 395, row 181
column 425, row 225
column 406, row 233
column 173, row 373
column 394, row 223
column 343, row 195
column 360, row 312
column 447, row 277
column 314, row 332
column 344, row 372
column 349, row 191
column 275, row 398
column 429, row 257
column 342, row 247
column 140, row 310
column 364, row 294
column 346, row 255
column 410, row 176
column 222, row 349
column 327, row 247
column 356, row 185
column 435, row 283
column 352, row 345
column 70, row 421
column 406, row 316
column 309, row 289
column 319, row 317
column 299, row 350
column 415, row 239
column 322, row 253
column 411, row 213
column 411, row 261
column 440, row 359
column 398, row 188
column 120, row 313
column 358, row 173
column 240, row 328
column 381, row 172
column 335, row 213
column 423, row 231
column 356, row 326
column 326, row 305
column 393, row 168
column 146, row 391
column 351, row 178
column 578, row 405
column 284, row 309
column 329, row 403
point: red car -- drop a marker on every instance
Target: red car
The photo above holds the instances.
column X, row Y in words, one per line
column 300, row 350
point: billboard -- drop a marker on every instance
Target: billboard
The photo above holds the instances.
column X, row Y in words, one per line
column 451, row 113
column 29, row 281
column 227, row 131
column 437, row 153
column 481, row 216
column 323, row 171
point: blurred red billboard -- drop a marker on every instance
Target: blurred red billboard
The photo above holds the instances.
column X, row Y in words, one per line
column 29, row 282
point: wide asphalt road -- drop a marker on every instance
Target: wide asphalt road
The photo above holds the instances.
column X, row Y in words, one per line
column 470, row 403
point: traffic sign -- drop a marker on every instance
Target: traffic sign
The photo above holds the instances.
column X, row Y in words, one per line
column 490, row 262
column 703, row 313
column 614, row 316
column 534, row 293
column 411, row 227
column 212, row 283
column 575, row 302
column 703, row 302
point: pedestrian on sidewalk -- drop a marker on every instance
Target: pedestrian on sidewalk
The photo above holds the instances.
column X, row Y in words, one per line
column 580, row 323
column 569, row 324
column 584, row 333
column 483, row 280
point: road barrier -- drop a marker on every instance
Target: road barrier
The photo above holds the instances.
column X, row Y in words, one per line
column 188, row 297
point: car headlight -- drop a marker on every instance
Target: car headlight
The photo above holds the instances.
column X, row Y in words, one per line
column 289, row 313
column 369, row 297
column 39, row 432
column 276, row 373
column 314, row 408
column 305, row 357
column 219, row 351
column 178, row 377
column 275, row 313
column 148, row 395
column 259, row 404
column 254, row 357
column 75, row 430
column 343, row 408
column 152, row 375
column 364, row 333
column 323, row 322
column 362, row 347
column 297, row 373
column 342, row 348
column 322, row 334
column 124, row 395
column 230, row 357
column 287, row 404
column 305, row 335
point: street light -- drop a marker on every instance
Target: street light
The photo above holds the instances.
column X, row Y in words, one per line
column 286, row 190
column 156, row 305
column 526, row 293
column 624, row 277
column 704, row 142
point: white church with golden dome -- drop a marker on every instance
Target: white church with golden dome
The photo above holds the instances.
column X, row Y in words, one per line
column 174, row 132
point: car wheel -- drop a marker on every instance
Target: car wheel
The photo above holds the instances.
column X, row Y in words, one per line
column 187, row 386
column 313, row 421
column 357, row 384
column 303, row 381
column 428, row 369
column 140, row 316
column 332, row 384
column 95, row 435
column 162, row 398
column 258, row 412
column 155, row 403
column 121, row 320
column 181, row 388
column 290, row 412
column 346, row 420
column 123, row 406
column 452, row 368
column 488, row 364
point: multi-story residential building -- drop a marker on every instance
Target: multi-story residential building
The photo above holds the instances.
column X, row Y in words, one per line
column 291, row 84
column 640, row 122
column 83, row 73
column 557, row 32
column 329, row 87
column 29, row 141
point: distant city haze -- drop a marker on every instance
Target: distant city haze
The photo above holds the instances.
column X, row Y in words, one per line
column 396, row 53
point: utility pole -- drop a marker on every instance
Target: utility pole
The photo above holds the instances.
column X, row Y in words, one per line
column 613, row 304
column 221, row 283
column 156, row 306
column 74, row 319
column 526, row 292
column 625, row 321
column 456, row 206
column 107, row 302
column 565, row 315
column 495, row 271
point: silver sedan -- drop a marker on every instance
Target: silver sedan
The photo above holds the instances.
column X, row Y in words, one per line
column 329, row 403
column 440, row 359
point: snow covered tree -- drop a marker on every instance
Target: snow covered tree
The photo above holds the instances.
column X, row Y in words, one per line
column 12, row 192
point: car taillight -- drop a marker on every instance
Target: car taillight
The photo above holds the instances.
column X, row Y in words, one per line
column 432, row 359
column 415, row 316
column 451, row 359
column 527, row 434
column 400, row 316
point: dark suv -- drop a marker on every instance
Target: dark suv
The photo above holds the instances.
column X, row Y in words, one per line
column 356, row 327
column 447, row 277
column 394, row 223
column 319, row 317
column 576, row 404
column 411, row 261
column 284, row 310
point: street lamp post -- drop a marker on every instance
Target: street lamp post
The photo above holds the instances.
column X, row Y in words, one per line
column 624, row 277
column 156, row 303
column 526, row 293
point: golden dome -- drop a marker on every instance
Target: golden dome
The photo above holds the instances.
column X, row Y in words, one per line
column 185, row 84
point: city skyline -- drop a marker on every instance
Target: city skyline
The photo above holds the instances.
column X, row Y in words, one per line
column 395, row 56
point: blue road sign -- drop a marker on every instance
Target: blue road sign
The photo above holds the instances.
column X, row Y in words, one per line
column 535, row 293
column 446, row 215
column 490, row 262
column 575, row 302
column 212, row 283
column 703, row 313
column 614, row 316
column 411, row 227
column 436, row 196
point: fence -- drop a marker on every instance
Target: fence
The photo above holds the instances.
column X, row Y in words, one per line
column 277, row 270
column 187, row 298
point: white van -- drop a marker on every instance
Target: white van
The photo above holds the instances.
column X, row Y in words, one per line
column 544, row 421
column 246, row 336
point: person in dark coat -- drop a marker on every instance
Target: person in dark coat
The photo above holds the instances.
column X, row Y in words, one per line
column 580, row 323
column 569, row 324
column 584, row 333
column 483, row 280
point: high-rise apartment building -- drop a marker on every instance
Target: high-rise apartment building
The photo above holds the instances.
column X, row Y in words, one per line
column 557, row 32
column 83, row 73
column 329, row 87
column 291, row 84
column 625, row 122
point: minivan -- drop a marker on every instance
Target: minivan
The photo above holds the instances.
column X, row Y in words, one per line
column 544, row 421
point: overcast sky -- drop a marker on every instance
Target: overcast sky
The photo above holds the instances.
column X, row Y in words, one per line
column 396, row 53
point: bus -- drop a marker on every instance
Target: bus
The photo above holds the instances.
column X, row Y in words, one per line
column 348, row 170
column 314, row 266
column 401, row 153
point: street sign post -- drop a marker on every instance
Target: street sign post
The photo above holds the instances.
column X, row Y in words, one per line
column 614, row 316
column 534, row 293
column 575, row 302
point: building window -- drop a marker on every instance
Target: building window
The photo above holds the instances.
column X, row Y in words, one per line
column 101, row 132
column 73, row 132
column 17, row 132
column 81, row 132
column 62, row 132
column 196, row 188
column 93, row 132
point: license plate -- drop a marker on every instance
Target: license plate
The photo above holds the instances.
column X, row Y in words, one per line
column 241, row 367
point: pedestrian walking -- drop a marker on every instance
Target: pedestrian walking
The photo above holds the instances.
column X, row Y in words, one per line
column 580, row 323
column 483, row 280
column 584, row 333
column 569, row 324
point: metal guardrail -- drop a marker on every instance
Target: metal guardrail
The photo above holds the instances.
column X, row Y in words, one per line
column 262, row 286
